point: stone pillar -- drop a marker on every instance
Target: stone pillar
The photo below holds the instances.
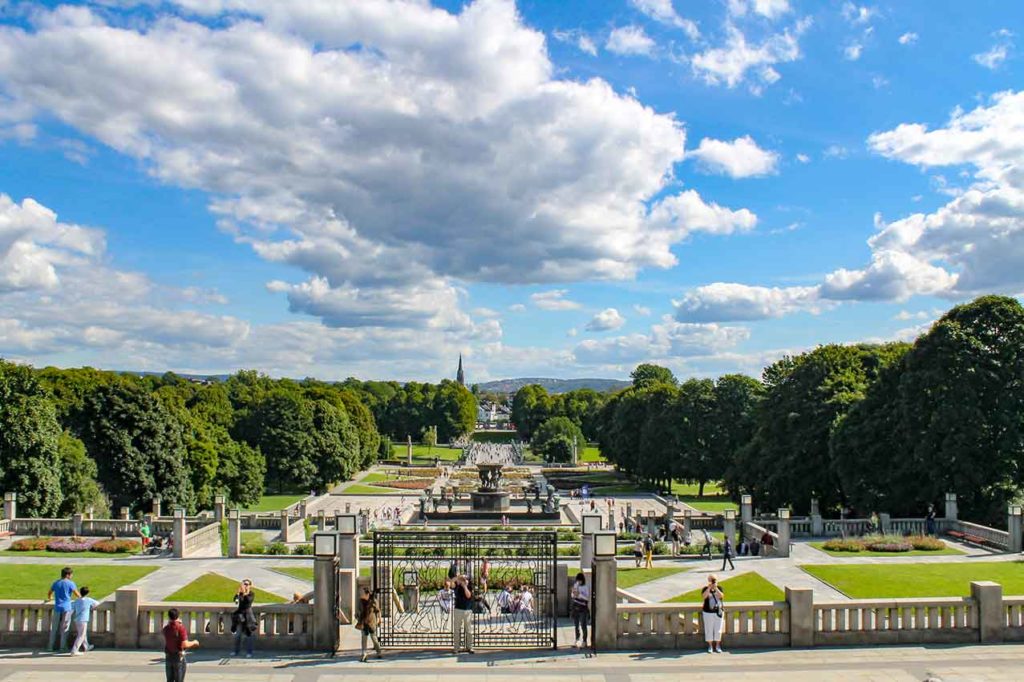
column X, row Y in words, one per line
column 364, row 522
column 951, row 509
column 89, row 513
column 605, row 585
column 652, row 524
column 586, row 551
column 325, row 627
column 218, row 508
column 348, row 558
column 234, row 534
column 10, row 505
column 885, row 521
column 991, row 619
column 179, row 533
column 687, row 521
column 729, row 525
column 1013, row 525
column 76, row 525
column 321, row 520
column 562, row 589
column 612, row 523
column 285, row 524
column 126, row 618
column 302, row 509
column 157, row 501
column 746, row 509
column 817, row 525
column 629, row 510
column 782, row 547
column 408, row 450
column 125, row 514
column 801, row 616
column 670, row 511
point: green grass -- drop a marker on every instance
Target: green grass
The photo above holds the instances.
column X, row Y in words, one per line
column 252, row 537
column 64, row 555
column 591, row 453
column 274, row 503
column 375, row 478
column 746, row 587
column 31, row 581
column 360, row 489
column 306, row 572
column 948, row 551
column 212, row 587
column 398, row 451
column 631, row 577
column 919, row 580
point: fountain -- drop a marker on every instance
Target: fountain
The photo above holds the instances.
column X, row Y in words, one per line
column 490, row 497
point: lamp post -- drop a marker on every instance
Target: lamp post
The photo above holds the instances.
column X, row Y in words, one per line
column 326, row 625
column 590, row 524
column 604, row 589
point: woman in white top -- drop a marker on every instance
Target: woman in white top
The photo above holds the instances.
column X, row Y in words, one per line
column 580, row 607
column 445, row 596
column 711, row 612
column 526, row 600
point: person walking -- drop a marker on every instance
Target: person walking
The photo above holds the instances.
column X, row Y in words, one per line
column 649, row 551
column 367, row 621
column 580, row 609
column 708, row 543
column 727, row 554
column 61, row 591
column 176, row 643
column 81, row 609
column 712, row 614
column 243, row 620
column 463, row 622
column 638, row 551
column 929, row 520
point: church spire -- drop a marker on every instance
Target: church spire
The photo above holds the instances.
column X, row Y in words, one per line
column 460, row 376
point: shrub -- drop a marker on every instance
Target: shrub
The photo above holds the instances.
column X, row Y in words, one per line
column 30, row 544
column 254, row 547
column 569, row 550
column 117, row 546
column 568, row 535
column 277, row 548
column 888, row 546
column 843, row 545
column 303, row 549
column 926, row 543
column 70, row 545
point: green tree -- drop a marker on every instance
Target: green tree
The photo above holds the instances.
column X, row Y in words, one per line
column 531, row 407
column 29, row 437
column 78, row 480
column 241, row 470
column 281, row 426
column 553, row 428
column 582, row 406
column 733, row 422
column 335, row 445
column 429, row 437
column 695, row 426
column 453, row 412
column 559, row 450
column 647, row 375
column 138, row 446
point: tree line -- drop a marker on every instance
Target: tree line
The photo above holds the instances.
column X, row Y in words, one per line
column 77, row 438
column 887, row 427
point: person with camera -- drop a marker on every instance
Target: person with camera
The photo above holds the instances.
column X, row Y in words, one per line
column 580, row 607
column 463, row 621
column 243, row 620
column 712, row 614
column 367, row 621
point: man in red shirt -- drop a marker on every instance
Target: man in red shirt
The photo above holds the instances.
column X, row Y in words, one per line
column 176, row 641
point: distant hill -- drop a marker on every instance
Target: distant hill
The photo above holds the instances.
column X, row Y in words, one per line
column 553, row 385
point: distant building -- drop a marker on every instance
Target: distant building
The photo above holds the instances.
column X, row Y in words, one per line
column 493, row 415
column 460, row 376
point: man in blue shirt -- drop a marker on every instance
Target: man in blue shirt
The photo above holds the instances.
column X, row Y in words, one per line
column 61, row 592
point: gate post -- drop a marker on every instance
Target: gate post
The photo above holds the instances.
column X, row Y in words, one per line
column 590, row 524
column 348, row 556
column 1013, row 525
column 234, row 534
column 326, row 628
column 604, row 584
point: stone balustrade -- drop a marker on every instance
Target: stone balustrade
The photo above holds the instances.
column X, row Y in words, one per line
column 202, row 539
column 1013, row 619
column 26, row 623
column 993, row 537
column 5, row 525
column 679, row 626
column 896, row 621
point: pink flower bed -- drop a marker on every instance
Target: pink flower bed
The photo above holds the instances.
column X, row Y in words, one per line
column 71, row 544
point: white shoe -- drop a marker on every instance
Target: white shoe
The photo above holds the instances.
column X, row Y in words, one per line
column 576, row 644
column 711, row 650
column 76, row 653
column 250, row 655
column 718, row 650
column 90, row 647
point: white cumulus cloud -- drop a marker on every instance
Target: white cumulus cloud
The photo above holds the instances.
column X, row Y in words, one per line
column 663, row 11
column 732, row 62
column 629, row 40
column 554, row 300
column 993, row 57
column 740, row 158
column 608, row 319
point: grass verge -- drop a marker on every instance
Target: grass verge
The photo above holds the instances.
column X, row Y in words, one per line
column 31, row 581
column 747, row 587
column 212, row 587
column 909, row 580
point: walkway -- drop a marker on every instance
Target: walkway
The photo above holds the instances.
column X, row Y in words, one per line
column 897, row 663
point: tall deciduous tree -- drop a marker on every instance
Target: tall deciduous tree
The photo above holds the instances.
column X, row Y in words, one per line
column 29, row 437
column 647, row 375
column 555, row 428
column 531, row 407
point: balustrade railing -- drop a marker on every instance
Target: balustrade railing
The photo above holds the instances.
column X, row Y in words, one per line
column 1013, row 618
column 26, row 623
column 847, row 527
column 5, row 525
column 680, row 626
column 862, row 621
column 992, row 537
column 280, row 626
column 201, row 538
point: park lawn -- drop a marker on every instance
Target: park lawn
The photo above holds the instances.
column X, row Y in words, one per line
column 65, row 555
column 631, row 577
column 681, row 488
column 375, row 477
column 893, row 581
column 306, row 572
column 274, row 502
column 253, row 537
column 212, row 587
column 445, row 454
column 31, row 581
column 747, row 587
column 948, row 551
column 360, row 489
column 708, row 503
column 591, row 453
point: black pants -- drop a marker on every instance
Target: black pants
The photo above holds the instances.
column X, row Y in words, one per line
column 174, row 666
column 581, row 619
column 727, row 558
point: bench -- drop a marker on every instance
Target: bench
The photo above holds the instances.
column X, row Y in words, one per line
column 971, row 539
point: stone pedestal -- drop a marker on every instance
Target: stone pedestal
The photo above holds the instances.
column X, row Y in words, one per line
column 562, row 589
column 321, row 520
column 234, row 537
column 885, row 521
column 687, row 521
column 218, row 508
column 801, row 616
column 782, row 547
column 952, row 513
column 490, row 501
column 285, row 525
column 991, row 619
column 729, row 526
column 10, row 505
column 157, row 502
column 817, row 524
column 586, row 551
column 126, row 618
column 746, row 509
column 125, row 514
column 89, row 513
column 179, row 536
column 348, row 558
column 1013, row 525
column 76, row 525
column 605, row 587
column 326, row 632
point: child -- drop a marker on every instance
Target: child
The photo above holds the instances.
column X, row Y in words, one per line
column 81, row 611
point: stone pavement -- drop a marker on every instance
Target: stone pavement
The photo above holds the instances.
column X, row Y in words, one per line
column 945, row 663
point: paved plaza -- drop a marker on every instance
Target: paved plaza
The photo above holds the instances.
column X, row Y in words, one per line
column 891, row 664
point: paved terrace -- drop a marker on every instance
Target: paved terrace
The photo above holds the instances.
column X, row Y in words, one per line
column 894, row 664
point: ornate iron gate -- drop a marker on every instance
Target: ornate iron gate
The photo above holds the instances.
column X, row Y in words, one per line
column 410, row 569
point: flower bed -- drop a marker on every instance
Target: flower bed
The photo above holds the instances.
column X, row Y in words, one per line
column 116, row 546
column 406, row 483
column 73, row 544
column 884, row 543
column 30, row 544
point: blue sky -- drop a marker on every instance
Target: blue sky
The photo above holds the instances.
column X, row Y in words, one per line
column 551, row 188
